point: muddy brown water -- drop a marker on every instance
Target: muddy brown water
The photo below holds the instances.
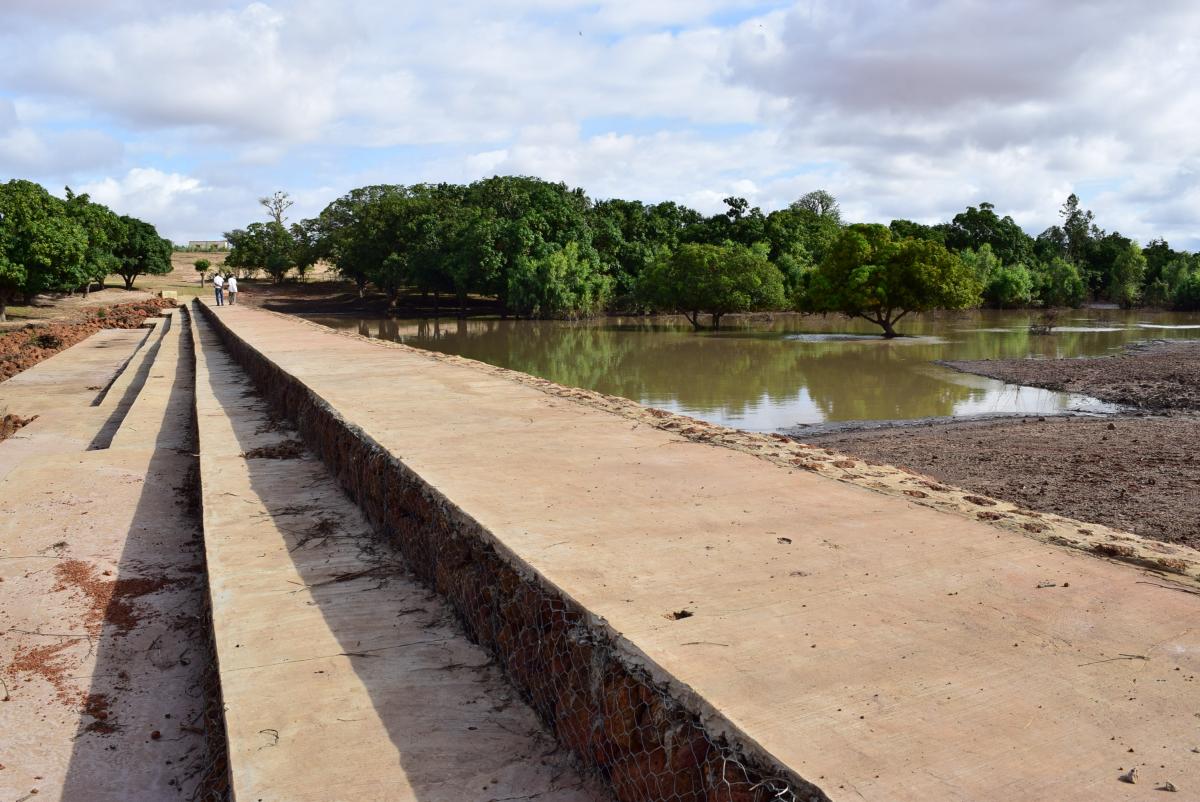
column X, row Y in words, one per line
column 791, row 370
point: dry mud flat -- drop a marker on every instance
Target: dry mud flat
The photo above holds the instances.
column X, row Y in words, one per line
column 1138, row 471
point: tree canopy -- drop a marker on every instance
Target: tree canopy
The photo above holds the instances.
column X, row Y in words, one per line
column 141, row 251
column 713, row 279
column 50, row 244
column 871, row 275
column 543, row 249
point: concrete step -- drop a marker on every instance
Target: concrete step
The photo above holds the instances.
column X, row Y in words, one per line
column 103, row 633
column 342, row 677
column 116, row 399
column 154, row 416
column 60, row 391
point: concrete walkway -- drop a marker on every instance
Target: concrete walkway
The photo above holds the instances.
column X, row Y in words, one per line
column 342, row 678
column 880, row 649
column 102, row 632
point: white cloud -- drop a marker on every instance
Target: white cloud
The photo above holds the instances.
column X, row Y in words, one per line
column 913, row 108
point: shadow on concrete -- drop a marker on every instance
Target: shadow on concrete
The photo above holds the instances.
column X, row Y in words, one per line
column 154, row 660
column 112, row 424
column 453, row 720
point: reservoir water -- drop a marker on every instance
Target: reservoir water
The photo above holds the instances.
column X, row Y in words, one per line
column 784, row 371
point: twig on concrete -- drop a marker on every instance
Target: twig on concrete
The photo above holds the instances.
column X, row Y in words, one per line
column 1171, row 587
column 1111, row 659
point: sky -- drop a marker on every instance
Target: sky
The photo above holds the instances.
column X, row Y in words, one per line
column 185, row 113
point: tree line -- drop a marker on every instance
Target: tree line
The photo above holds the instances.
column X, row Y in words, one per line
column 48, row 244
column 543, row 249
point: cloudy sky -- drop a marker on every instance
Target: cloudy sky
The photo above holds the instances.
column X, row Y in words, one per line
column 184, row 113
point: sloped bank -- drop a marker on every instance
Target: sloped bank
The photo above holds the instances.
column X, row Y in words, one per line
column 577, row 674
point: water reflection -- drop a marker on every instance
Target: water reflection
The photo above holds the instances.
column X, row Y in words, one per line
column 790, row 370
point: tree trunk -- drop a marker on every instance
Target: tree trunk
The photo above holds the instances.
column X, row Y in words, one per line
column 694, row 319
column 889, row 330
column 716, row 321
column 129, row 281
column 3, row 310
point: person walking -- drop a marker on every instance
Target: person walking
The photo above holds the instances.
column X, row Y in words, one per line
column 231, row 288
column 219, row 288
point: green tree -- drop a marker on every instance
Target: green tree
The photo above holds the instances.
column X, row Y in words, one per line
column 1058, row 283
column 1124, row 277
column 1187, row 293
column 907, row 229
column 1004, row 286
column 981, row 226
column 262, row 246
column 202, row 266
column 104, row 231
column 870, row 275
column 714, row 279
column 1079, row 229
column 562, row 283
column 629, row 236
column 821, row 204
column 348, row 231
column 41, row 248
column 521, row 219
column 141, row 252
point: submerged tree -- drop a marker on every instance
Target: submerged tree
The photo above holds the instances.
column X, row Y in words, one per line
column 870, row 275
column 713, row 279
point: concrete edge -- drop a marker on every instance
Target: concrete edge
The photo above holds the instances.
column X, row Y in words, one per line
column 1171, row 561
column 200, row 371
column 372, row 476
column 156, row 330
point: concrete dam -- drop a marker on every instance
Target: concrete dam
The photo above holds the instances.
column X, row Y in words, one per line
column 434, row 579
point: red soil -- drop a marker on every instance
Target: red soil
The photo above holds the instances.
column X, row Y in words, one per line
column 24, row 348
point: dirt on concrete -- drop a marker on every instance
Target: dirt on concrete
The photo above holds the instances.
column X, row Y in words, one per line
column 1135, row 471
column 21, row 349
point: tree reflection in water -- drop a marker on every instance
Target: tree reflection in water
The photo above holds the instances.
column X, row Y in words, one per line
column 786, row 371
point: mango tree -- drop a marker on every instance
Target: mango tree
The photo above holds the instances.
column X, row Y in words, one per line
column 713, row 279
column 871, row 275
column 141, row 252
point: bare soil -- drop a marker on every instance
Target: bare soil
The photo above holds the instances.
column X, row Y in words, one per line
column 1158, row 375
column 1138, row 472
column 329, row 295
column 21, row 349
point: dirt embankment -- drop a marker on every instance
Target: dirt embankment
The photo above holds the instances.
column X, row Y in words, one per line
column 337, row 296
column 1139, row 472
column 23, row 348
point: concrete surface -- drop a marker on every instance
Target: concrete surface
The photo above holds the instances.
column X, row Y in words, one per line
column 342, row 678
column 101, row 586
column 881, row 649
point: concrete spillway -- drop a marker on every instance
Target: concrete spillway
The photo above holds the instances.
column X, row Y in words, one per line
column 699, row 623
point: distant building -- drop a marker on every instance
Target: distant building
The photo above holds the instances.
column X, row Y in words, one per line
column 208, row 245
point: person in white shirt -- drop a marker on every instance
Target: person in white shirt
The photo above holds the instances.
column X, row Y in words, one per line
column 219, row 289
column 231, row 288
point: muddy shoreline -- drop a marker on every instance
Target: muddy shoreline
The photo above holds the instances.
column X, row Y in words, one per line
column 1138, row 470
